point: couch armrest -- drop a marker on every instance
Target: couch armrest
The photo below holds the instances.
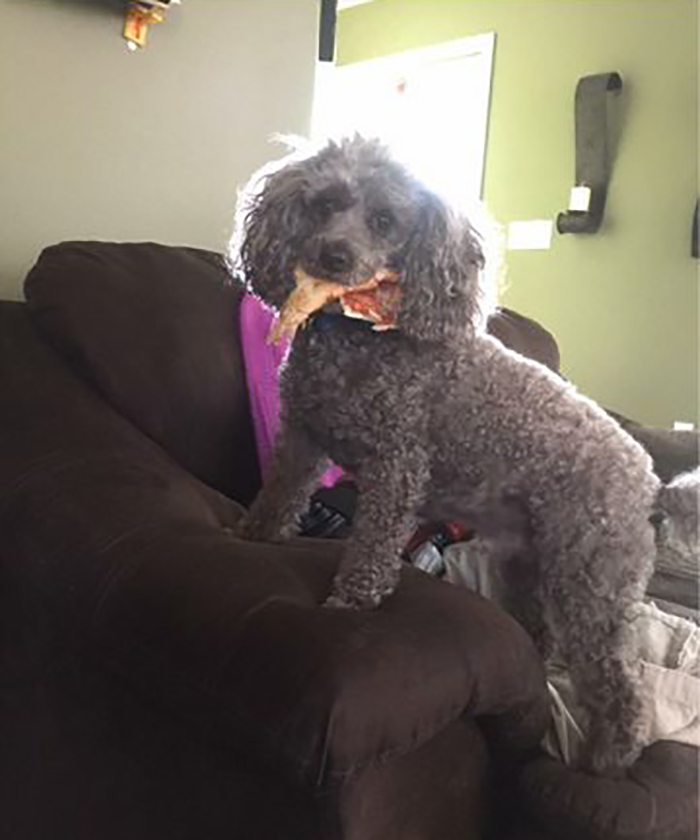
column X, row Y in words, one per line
column 672, row 451
column 317, row 691
column 134, row 554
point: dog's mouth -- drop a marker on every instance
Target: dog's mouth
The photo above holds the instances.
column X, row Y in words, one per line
column 375, row 300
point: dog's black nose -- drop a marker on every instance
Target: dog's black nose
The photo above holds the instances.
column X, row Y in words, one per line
column 336, row 258
column 657, row 518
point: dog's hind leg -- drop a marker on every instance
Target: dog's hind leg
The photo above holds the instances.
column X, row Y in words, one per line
column 523, row 595
column 504, row 569
column 296, row 469
column 591, row 624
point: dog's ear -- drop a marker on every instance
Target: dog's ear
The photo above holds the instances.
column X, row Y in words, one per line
column 270, row 224
column 440, row 276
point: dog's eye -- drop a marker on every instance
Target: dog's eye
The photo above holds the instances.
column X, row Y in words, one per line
column 382, row 222
column 323, row 209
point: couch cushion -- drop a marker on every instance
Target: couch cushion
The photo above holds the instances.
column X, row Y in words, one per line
column 657, row 800
column 154, row 329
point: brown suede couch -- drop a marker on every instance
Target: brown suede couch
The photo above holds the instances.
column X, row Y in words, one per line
column 160, row 679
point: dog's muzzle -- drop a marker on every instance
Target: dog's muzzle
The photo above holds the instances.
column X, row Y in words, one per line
column 336, row 259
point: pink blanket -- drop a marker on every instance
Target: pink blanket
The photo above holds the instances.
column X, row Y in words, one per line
column 262, row 363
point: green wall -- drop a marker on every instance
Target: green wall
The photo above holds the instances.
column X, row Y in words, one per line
column 624, row 302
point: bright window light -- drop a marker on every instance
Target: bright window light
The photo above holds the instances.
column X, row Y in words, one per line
column 348, row 4
column 430, row 106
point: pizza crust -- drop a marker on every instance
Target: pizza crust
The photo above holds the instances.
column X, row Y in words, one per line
column 376, row 300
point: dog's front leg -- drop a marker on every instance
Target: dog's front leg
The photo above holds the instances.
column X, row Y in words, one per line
column 391, row 490
column 297, row 466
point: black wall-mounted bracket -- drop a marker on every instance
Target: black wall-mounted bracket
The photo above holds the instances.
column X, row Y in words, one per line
column 326, row 31
column 593, row 160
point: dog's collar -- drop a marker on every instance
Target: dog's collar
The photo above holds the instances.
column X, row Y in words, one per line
column 333, row 321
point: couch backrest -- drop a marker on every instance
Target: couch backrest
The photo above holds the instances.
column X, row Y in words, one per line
column 525, row 336
column 154, row 329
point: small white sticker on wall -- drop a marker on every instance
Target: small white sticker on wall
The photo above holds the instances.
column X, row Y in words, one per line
column 681, row 426
column 532, row 235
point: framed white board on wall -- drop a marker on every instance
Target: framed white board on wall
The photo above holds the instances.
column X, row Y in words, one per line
column 430, row 105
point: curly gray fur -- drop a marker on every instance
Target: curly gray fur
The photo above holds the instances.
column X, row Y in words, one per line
column 437, row 419
column 677, row 519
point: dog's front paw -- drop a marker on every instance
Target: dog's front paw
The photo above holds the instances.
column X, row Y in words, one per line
column 256, row 530
column 247, row 528
column 363, row 587
column 351, row 602
column 337, row 602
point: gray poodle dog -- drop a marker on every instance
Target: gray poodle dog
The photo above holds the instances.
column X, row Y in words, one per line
column 435, row 419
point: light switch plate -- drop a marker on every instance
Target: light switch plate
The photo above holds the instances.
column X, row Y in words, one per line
column 531, row 235
column 580, row 199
